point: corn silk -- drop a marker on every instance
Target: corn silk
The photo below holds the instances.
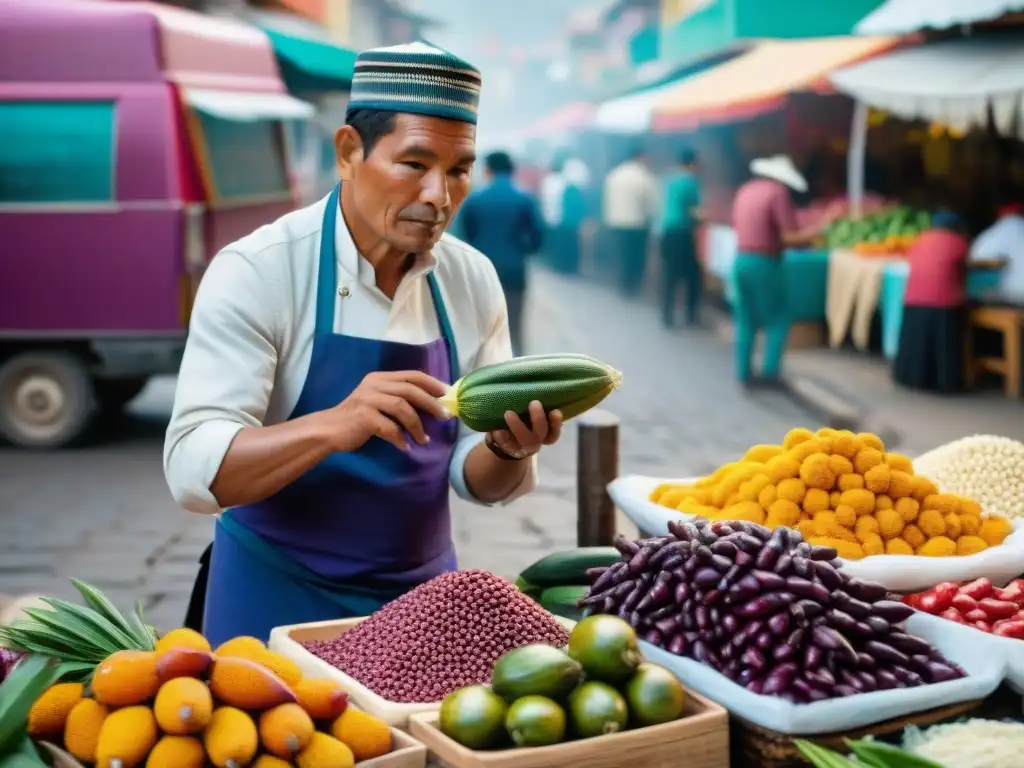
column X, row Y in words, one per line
column 973, row 743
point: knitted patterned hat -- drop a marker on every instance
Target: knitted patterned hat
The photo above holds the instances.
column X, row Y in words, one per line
column 416, row 79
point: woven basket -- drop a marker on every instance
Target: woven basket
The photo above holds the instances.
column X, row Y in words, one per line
column 752, row 745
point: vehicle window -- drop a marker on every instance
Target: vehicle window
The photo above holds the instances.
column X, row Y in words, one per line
column 57, row 152
column 246, row 158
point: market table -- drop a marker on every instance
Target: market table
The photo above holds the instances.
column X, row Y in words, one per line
column 894, row 286
column 805, row 273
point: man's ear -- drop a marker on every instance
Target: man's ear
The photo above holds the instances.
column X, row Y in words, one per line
column 348, row 152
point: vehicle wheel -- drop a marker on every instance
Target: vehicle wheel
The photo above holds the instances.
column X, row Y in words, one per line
column 47, row 400
column 114, row 394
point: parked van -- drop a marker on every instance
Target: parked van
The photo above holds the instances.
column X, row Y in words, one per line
column 135, row 141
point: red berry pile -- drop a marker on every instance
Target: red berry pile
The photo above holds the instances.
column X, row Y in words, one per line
column 441, row 636
column 979, row 604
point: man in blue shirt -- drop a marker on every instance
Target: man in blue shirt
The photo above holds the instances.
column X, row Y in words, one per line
column 503, row 222
column 679, row 218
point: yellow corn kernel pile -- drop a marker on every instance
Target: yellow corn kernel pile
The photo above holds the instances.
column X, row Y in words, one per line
column 841, row 490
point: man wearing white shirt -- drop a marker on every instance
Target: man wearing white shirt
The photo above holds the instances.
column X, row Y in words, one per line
column 1004, row 241
column 306, row 413
column 630, row 205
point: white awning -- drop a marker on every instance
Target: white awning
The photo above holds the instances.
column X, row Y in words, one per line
column 632, row 113
column 950, row 82
column 246, row 107
column 901, row 17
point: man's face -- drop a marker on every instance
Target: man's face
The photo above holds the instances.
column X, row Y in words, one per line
column 408, row 189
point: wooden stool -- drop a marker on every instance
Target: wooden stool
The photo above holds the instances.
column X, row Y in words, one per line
column 1006, row 320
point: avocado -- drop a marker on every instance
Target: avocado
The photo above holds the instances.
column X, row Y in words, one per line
column 535, row 721
column 473, row 716
column 597, row 709
column 607, row 647
column 538, row 670
column 654, row 696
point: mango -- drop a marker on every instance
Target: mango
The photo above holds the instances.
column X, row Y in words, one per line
column 321, row 698
column 231, row 739
column 177, row 752
column 364, row 734
column 182, row 638
column 183, row 705
column 183, row 662
column 245, row 684
column 126, row 678
column 325, row 751
column 82, row 729
column 285, row 730
column 126, row 738
column 49, row 713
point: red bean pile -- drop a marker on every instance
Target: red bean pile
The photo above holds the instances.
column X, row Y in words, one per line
column 441, row 636
column 768, row 610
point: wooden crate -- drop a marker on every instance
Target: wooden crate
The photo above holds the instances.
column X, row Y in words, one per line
column 288, row 642
column 700, row 739
column 753, row 745
column 406, row 752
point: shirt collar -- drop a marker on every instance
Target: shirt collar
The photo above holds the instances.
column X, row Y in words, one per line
column 354, row 267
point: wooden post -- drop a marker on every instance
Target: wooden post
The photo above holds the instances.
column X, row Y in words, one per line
column 597, row 464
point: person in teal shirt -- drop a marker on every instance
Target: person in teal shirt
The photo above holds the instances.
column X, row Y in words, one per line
column 681, row 200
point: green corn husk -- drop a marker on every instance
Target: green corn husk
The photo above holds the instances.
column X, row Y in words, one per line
column 79, row 636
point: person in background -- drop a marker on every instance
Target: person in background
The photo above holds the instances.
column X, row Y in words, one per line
column 679, row 212
column 1003, row 243
column 931, row 352
column 629, row 207
column 764, row 218
column 551, row 195
column 503, row 221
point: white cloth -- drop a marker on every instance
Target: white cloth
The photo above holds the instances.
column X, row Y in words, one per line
column 552, row 195
column 251, row 338
column 1004, row 240
column 781, row 169
column 631, row 195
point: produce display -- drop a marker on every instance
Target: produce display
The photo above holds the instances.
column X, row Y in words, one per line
column 869, row 754
column 441, row 636
column 987, row 468
column 843, row 491
column 768, row 610
column 883, row 233
column 570, row 383
column 979, row 604
column 87, row 687
column 976, row 742
column 541, row 695
column 560, row 580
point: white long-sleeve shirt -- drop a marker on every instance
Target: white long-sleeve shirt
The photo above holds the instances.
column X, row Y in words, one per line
column 251, row 338
column 1005, row 240
column 630, row 197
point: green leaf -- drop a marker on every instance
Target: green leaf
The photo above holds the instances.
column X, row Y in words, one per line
column 18, row 692
column 820, row 757
column 22, row 761
column 878, row 754
column 139, row 626
column 76, row 672
column 118, row 635
column 44, row 643
column 99, row 603
column 87, row 638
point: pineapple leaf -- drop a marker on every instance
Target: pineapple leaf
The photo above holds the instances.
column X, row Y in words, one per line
column 86, row 637
column 37, row 640
column 137, row 619
column 99, row 603
column 18, row 692
column 117, row 635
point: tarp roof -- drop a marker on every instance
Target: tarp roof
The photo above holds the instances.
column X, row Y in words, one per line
column 901, row 17
column 760, row 80
column 950, row 82
column 562, row 120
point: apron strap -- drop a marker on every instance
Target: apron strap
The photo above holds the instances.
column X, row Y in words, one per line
column 357, row 601
column 446, row 326
column 327, row 272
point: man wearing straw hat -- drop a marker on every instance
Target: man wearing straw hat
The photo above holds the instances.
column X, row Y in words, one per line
column 306, row 416
column 764, row 218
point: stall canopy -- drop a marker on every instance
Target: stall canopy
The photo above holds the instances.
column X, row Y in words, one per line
column 564, row 120
column 952, row 82
column 901, row 17
column 631, row 113
column 760, row 80
column 247, row 107
column 309, row 61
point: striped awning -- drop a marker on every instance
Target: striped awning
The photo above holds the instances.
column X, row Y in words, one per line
column 901, row 17
column 761, row 80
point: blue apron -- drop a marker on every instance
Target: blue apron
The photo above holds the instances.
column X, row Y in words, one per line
column 360, row 528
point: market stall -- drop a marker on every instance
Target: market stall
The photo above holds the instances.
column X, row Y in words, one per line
column 765, row 81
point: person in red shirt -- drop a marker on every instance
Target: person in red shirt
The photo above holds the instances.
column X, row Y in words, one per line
column 931, row 351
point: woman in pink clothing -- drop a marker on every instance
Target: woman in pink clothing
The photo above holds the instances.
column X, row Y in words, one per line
column 931, row 351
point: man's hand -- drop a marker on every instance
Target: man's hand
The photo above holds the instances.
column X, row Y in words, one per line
column 520, row 441
column 388, row 405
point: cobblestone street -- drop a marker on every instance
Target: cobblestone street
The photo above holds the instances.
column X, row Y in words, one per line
column 103, row 513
